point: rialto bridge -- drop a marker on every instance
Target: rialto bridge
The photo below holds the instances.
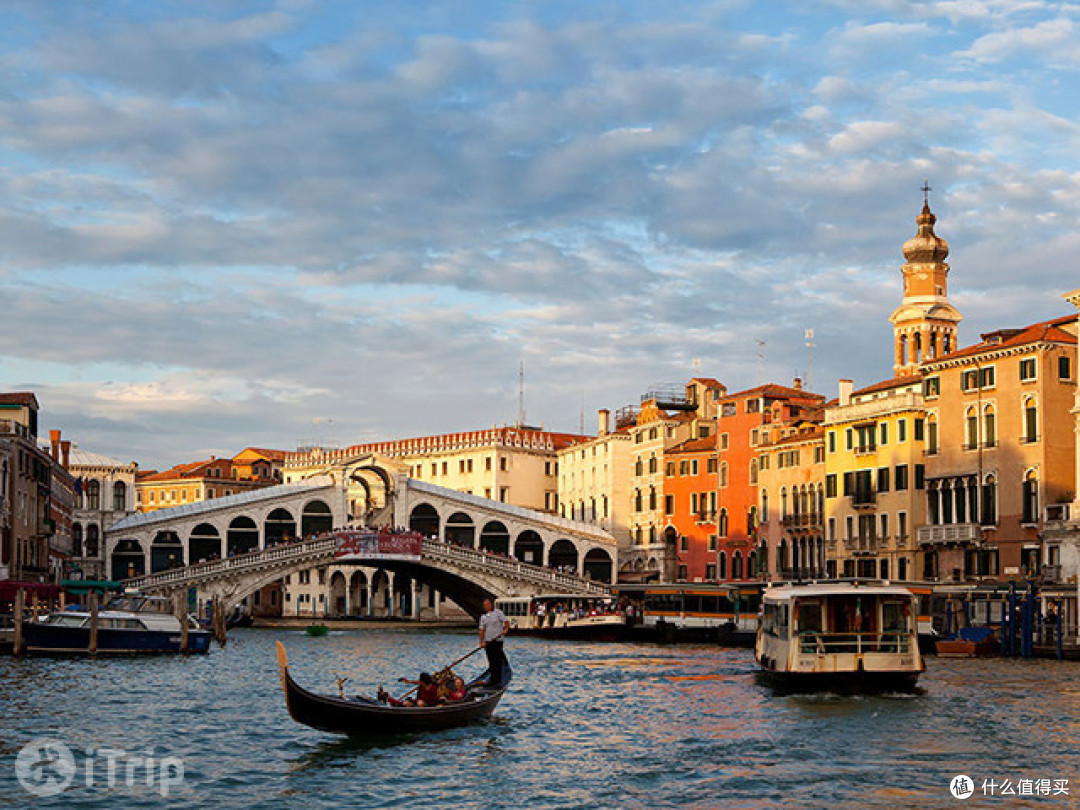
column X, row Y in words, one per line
column 229, row 548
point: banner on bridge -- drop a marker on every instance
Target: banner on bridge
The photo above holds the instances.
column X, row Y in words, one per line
column 384, row 544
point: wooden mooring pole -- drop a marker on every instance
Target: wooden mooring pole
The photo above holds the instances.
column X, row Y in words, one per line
column 17, row 610
column 217, row 621
column 180, row 607
column 94, row 622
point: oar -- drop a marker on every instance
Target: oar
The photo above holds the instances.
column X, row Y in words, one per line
column 448, row 666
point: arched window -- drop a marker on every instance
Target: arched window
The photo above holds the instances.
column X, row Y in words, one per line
column 723, row 474
column 652, row 464
column 1031, row 420
column 989, row 426
column 931, row 434
column 722, row 566
column 1031, row 498
column 639, row 467
column 736, row 565
column 989, row 501
column 76, row 540
column 637, row 500
column 753, row 471
column 971, row 426
column 93, row 494
column 722, row 527
column 783, row 504
column 119, row 496
column 764, row 506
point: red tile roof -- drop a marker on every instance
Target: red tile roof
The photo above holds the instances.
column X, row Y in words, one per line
column 886, row 385
column 1044, row 331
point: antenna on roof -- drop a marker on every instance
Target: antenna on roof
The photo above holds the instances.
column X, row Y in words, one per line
column 521, row 393
column 809, row 336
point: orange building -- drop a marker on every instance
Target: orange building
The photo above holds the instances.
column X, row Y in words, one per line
column 196, row 481
column 742, row 427
column 690, row 507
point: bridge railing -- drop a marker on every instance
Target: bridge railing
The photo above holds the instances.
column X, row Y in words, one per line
column 508, row 565
column 319, row 547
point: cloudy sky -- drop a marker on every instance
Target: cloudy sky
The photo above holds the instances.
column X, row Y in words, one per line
column 226, row 224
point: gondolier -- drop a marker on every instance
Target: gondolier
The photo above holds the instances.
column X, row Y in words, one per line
column 493, row 629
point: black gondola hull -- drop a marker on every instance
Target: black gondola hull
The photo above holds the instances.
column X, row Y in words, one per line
column 362, row 716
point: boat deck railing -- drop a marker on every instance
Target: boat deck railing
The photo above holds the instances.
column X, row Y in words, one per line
column 811, row 642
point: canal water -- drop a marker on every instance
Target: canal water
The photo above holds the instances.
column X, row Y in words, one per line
column 583, row 726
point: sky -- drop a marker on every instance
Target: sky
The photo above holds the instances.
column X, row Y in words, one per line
column 230, row 224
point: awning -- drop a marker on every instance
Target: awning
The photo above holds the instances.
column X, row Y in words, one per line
column 81, row 586
column 10, row 587
column 638, row 576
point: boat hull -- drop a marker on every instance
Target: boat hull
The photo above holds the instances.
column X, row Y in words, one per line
column 50, row 639
column 363, row 717
column 959, row 648
column 843, row 682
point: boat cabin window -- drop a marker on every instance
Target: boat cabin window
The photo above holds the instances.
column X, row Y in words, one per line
column 663, row 603
column 513, row 607
column 896, row 617
column 67, row 620
column 809, row 617
column 774, row 619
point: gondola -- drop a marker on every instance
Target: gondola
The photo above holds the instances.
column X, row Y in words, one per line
column 364, row 716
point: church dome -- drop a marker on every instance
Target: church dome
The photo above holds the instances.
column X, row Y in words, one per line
column 926, row 247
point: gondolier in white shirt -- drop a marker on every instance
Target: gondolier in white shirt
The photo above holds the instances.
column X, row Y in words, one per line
column 493, row 629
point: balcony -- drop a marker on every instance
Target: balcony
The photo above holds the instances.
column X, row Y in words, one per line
column 1051, row 575
column 950, row 533
column 862, row 499
column 809, row 520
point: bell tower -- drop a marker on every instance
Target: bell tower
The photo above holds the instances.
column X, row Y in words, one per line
column 924, row 325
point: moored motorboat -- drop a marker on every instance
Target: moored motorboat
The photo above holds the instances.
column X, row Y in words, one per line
column 128, row 623
column 364, row 716
column 842, row 637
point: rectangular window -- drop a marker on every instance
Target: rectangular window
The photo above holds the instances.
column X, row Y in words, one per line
column 693, row 502
column 849, row 485
column 1064, row 368
column 884, row 438
column 931, row 387
column 1027, row 369
column 819, row 454
column 920, row 476
column 850, row 526
column 884, row 527
column 694, row 466
column 931, row 438
column 901, row 526
column 728, row 409
column 918, row 430
column 832, row 441
column 970, row 380
column 883, row 479
column 830, row 485
column 901, row 431
column 986, row 378
column 901, row 477
column 832, row 530
column 723, row 441
column 669, row 504
column 850, row 436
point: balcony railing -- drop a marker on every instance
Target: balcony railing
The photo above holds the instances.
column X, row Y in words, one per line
column 865, row 497
column 807, row 520
column 1051, row 574
column 950, row 533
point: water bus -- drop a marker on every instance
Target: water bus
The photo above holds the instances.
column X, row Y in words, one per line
column 725, row 613
column 843, row 637
column 564, row 616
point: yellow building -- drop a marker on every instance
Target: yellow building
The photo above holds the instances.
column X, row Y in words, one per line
column 1001, row 444
column 791, row 492
column 196, row 481
column 515, row 465
column 874, row 479
column 594, row 480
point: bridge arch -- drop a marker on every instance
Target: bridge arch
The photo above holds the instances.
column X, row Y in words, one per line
column 495, row 537
column 128, row 559
column 338, row 594
column 242, row 536
column 598, row 565
column 529, row 547
column 424, row 519
column 460, row 530
column 166, row 551
column 563, row 555
column 358, row 593
column 204, row 543
column 316, row 518
column 279, row 527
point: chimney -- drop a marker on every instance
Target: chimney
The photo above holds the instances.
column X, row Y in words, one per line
column 846, row 387
column 797, row 383
column 54, row 440
column 65, row 453
column 605, row 421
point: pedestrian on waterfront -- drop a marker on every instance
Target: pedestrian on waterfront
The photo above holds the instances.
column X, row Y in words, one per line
column 493, row 629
